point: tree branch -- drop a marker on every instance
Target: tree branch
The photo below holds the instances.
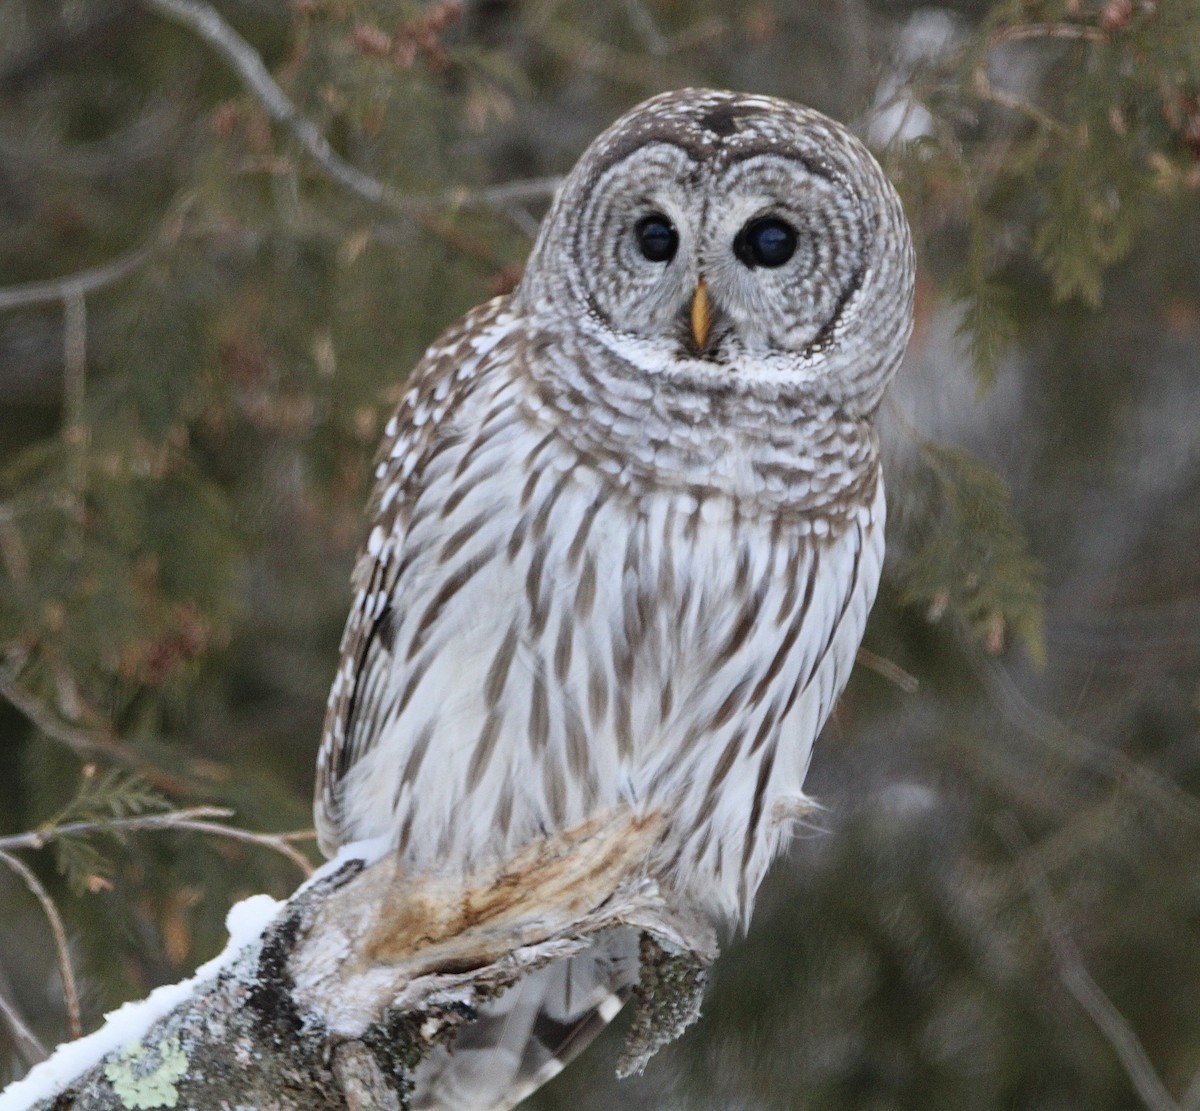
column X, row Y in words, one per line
column 198, row 819
column 334, row 1001
column 1078, row 981
column 26, row 1041
column 70, row 991
column 889, row 670
column 502, row 195
column 75, row 285
column 206, row 22
column 86, row 743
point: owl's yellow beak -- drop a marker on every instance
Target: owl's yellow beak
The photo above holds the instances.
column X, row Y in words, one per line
column 701, row 315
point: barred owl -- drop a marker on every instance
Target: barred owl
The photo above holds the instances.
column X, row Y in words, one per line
column 628, row 524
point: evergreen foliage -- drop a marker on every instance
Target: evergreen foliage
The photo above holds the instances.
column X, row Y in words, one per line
column 975, row 561
column 103, row 796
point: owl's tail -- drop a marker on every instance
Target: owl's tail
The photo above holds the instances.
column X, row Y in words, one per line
column 529, row 1034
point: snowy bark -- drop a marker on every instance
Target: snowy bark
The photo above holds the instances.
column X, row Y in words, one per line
column 355, row 979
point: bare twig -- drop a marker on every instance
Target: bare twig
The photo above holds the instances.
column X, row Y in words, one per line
column 74, row 285
column 197, row 819
column 1048, row 730
column 297, row 835
column 1078, row 981
column 27, row 1042
column 1027, row 32
column 276, row 842
column 1024, row 31
column 75, row 397
column 70, row 992
column 503, row 194
column 892, row 672
column 985, row 90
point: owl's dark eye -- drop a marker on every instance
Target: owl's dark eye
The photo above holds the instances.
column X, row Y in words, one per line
column 657, row 238
column 767, row 241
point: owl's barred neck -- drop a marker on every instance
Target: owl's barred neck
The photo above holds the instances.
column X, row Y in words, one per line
column 776, row 450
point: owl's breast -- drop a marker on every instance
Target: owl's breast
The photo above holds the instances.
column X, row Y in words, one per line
column 566, row 633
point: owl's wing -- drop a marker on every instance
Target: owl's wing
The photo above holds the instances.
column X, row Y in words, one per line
column 422, row 424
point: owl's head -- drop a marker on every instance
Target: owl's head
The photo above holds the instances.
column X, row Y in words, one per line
column 724, row 238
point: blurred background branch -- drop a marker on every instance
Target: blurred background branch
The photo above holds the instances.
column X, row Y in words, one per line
column 70, row 991
column 1075, row 976
column 206, row 21
column 75, row 285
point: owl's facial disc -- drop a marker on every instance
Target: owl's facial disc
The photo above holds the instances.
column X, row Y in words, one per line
column 774, row 241
column 719, row 236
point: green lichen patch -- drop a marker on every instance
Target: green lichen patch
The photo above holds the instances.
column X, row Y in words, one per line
column 144, row 1078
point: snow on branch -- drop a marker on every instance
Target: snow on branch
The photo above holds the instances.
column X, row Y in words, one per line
column 331, row 999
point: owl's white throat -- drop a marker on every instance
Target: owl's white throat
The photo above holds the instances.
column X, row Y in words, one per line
column 722, row 365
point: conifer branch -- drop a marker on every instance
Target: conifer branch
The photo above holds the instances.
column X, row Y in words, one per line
column 205, row 21
column 86, row 743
